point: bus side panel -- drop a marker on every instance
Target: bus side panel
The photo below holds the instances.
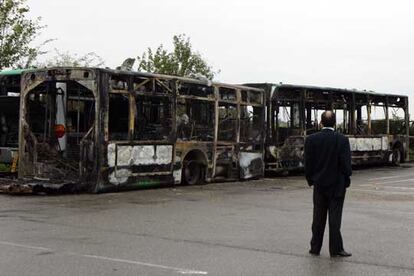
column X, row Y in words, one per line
column 131, row 166
column 251, row 164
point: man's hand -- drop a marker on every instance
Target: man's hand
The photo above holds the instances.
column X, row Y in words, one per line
column 347, row 181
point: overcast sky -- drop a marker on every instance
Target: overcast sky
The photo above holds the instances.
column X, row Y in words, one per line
column 360, row 44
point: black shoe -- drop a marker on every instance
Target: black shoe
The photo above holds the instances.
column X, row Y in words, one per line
column 341, row 253
column 313, row 253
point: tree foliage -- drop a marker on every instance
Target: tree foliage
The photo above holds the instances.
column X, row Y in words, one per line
column 181, row 61
column 17, row 32
column 67, row 59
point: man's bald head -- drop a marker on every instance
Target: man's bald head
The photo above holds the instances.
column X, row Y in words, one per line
column 328, row 118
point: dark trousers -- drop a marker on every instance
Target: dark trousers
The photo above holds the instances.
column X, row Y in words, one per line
column 322, row 206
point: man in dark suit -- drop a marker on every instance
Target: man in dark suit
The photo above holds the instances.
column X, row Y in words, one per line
column 328, row 170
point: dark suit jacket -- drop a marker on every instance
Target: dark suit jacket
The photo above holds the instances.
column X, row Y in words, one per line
column 328, row 162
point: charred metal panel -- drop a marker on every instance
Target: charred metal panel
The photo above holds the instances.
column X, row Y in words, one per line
column 139, row 156
column 251, row 164
column 368, row 143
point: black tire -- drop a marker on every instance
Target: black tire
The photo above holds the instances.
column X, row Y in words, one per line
column 193, row 173
column 396, row 156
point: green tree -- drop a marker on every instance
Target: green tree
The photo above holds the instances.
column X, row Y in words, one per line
column 17, row 32
column 182, row 61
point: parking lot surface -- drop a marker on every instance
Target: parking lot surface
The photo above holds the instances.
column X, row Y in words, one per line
column 259, row 227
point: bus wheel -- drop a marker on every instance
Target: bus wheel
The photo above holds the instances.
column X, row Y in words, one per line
column 192, row 173
column 396, row 156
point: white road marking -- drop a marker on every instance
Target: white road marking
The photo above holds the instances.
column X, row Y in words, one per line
column 184, row 271
column 400, row 188
column 397, row 181
column 386, row 187
column 25, row 246
column 389, row 177
column 179, row 270
column 382, row 192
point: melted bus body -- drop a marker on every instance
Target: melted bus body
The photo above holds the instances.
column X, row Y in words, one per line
column 126, row 130
column 377, row 125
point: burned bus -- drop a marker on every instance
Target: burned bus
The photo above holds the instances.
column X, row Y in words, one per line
column 377, row 125
column 9, row 120
column 107, row 130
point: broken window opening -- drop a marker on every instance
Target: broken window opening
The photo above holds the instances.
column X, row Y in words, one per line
column 361, row 119
column 342, row 121
column 9, row 85
column 244, row 96
column 143, row 85
column 195, row 120
column 119, row 83
column 227, row 125
column 59, row 114
column 397, row 121
column 255, row 97
column 227, row 94
column 251, row 124
column 287, row 120
column 163, row 86
column 153, row 119
column 311, row 118
column 77, row 116
column 194, row 89
column 118, row 116
column 9, row 121
column 378, row 120
column 288, row 115
column 153, row 86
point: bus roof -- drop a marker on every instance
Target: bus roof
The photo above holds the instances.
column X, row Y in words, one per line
column 323, row 88
column 145, row 74
column 340, row 90
column 14, row 72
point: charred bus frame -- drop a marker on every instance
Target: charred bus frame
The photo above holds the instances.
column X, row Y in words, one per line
column 293, row 112
column 117, row 130
column 9, row 120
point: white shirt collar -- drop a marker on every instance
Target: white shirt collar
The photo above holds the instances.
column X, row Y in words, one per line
column 330, row 128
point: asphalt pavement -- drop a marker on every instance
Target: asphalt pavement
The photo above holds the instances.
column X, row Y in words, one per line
column 259, row 227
